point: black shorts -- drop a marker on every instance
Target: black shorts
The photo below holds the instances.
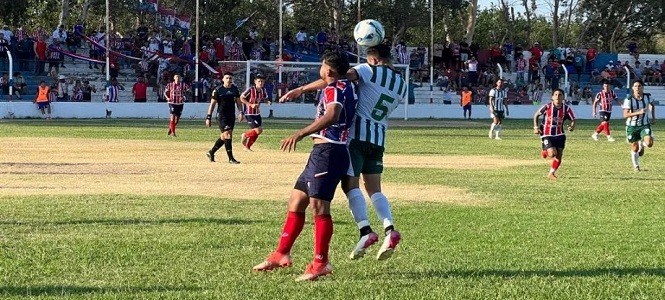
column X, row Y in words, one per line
column 467, row 107
column 226, row 122
column 254, row 121
column 557, row 142
column 140, row 100
column 605, row 115
column 176, row 109
column 326, row 166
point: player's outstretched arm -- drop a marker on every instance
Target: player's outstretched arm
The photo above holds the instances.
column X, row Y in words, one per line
column 333, row 112
column 295, row 93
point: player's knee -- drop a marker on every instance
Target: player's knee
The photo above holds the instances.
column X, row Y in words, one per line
column 319, row 206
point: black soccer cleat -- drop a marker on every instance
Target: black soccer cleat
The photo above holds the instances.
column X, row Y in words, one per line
column 211, row 156
column 233, row 161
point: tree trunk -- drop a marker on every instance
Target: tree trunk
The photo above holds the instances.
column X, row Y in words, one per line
column 527, row 13
column 471, row 22
column 555, row 23
column 84, row 10
column 64, row 11
column 615, row 32
column 571, row 6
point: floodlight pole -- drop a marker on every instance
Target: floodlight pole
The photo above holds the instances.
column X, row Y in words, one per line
column 196, row 60
column 281, row 47
column 108, row 66
column 431, row 52
column 358, row 46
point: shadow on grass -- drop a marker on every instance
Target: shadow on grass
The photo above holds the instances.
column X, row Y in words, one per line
column 215, row 221
column 63, row 290
column 599, row 272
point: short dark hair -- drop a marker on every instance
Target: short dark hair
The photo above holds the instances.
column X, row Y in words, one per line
column 382, row 51
column 638, row 81
column 337, row 61
column 559, row 90
column 259, row 76
column 228, row 73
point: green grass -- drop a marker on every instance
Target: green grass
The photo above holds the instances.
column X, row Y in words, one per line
column 596, row 233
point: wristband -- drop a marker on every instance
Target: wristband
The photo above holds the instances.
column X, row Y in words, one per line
column 209, row 117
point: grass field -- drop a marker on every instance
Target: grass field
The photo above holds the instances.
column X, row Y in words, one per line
column 113, row 209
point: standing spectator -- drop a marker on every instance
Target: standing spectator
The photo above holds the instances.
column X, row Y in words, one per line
column 301, row 39
column 4, row 47
column 113, row 91
column 472, row 65
column 322, row 39
column 508, row 53
column 551, row 130
column 4, row 84
column 536, row 52
column 39, row 33
column 632, row 48
column 24, row 49
column 139, row 90
column 77, row 91
column 40, row 50
column 591, row 54
column 219, row 50
column 253, row 33
column 175, row 96
column 8, row 34
column 521, row 66
column 59, row 34
column 579, row 64
column 465, row 101
column 54, row 57
column 247, row 47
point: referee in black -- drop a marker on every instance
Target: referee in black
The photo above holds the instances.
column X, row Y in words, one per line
column 227, row 98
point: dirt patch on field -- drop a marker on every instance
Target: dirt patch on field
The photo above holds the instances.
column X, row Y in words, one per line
column 42, row 166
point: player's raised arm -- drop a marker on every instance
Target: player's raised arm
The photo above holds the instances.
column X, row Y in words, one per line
column 295, row 93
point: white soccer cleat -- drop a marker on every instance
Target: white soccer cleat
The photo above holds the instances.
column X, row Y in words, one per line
column 610, row 139
column 365, row 242
column 594, row 136
column 389, row 243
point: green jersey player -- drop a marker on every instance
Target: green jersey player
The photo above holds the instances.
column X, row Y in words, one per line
column 638, row 122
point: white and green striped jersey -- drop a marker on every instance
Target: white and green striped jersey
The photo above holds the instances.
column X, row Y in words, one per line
column 633, row 104
column 380, row 91
column 498, row 95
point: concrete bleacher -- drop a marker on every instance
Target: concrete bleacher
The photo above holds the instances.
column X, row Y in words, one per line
column 80, row 70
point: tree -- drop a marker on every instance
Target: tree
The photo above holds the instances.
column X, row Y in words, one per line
column 471, row 22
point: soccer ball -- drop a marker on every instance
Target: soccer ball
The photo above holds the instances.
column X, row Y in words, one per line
column 368, row 33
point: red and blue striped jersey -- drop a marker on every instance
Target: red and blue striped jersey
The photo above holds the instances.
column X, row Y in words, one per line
column 606, row 99
column 253, row 96
column 112, row 92
column 552, row 124
column 340, row 93
column 176, row 92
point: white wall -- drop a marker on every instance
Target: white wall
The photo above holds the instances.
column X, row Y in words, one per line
column 287, row 110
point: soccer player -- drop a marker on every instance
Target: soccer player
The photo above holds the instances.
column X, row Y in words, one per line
column 175, row 96
column 551, row 129
column 381, row 89
column 42, row 99
column 605, row 98
column 638, row 122
column 251, row 101
column 465, row 101
column 227, row 97
column 328, row 163
column 498, row 108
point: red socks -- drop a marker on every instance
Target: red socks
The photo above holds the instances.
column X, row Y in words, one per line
column 323, row 231
column 251, row 137
column 292, row 228
column 555, row 164
column 172, row 127
column 603, row 127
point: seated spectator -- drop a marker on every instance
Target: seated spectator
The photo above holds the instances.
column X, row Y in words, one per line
column 442, row 82
column 587, row 94
column 4, row 84
column 87, row 91
column 20, row 87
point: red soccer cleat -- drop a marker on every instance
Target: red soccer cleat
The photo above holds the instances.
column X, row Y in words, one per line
column 315, row 270
column 274, row 261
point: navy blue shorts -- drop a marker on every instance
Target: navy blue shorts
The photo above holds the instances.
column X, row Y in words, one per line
column 557, row 142
column 326, row 166
column 254, row 121
column 605, row 115
column 41, row 105
column 176, row 110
